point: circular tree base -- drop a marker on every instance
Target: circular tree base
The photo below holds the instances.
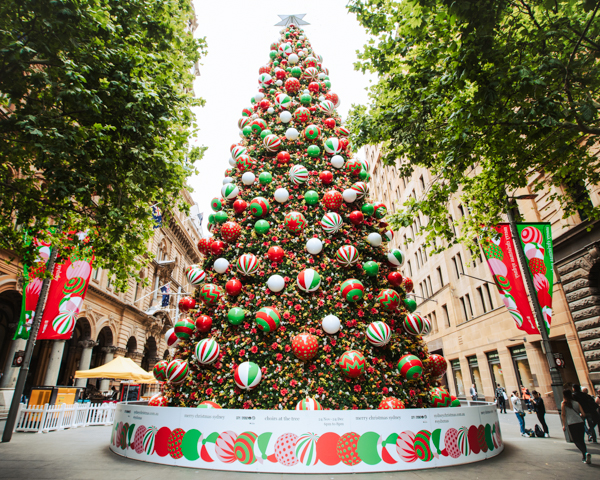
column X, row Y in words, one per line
column 289, row 441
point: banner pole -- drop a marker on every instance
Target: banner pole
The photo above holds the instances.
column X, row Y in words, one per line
column 557, row 383
column 24, row 371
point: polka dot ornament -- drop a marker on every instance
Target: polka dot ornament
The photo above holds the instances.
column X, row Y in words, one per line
column 285, row 449
column 346, row 448
column 174, row 443
column 305, row 346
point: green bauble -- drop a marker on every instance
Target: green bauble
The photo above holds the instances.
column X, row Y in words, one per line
column 327, row 83
column 265, row 132
column 313, row 151
column 247, row 131
column 262, row 226
column 272, row 91
column 364, row 175
column 367, row 209
column 410, row 304
column 265, row 178
column 288, row 69
column 211, row 218
column 305, row 99
column 252, row 100
column 236, row 315
column 371, row 268
column 297, row 72
column 276, row 63
column 273, row 54
column 221, row 216
column 311, row 197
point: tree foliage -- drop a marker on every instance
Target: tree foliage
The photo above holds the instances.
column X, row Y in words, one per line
column 95, row 117
column 489, row 95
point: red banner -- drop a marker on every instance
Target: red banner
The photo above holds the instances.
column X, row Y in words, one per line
column 70, row 281
column 504, row 264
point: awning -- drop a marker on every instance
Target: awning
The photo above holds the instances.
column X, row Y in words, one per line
column 120, row 368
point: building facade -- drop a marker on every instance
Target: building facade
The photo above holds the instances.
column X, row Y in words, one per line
column 110, row 323
column 471, row 327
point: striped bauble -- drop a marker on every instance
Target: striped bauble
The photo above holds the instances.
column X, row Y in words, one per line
column 309, row 403
column 298, row 174
column 259, row 207
column 248, row 264
column 413, row 324
column 184, row 328
column 209, row 404
column 332, row 145
column 308, row 280
column 396, row 257
column 195, row 274
column 306, row 449
column 352, row 290
column 410, row 367
column 347, row 255
column 229, row 191
column 237, row 150
column 352, row 363
column 268, row 319
column 243, row 448
column 361, row 189
column 378, row 334
column 247, row 375
column 64, row 323
column 207, row 351
column 332, row 222
column 177, row 370
column 160, row 370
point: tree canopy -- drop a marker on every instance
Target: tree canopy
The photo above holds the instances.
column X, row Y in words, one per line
column 95, row 117
column 489, row 95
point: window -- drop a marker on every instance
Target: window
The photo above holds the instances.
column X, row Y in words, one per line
column 429, row 284
column 461, row 210
column 404, row 182
column 417, row 260
column 476, row 375
column 522, row 368
column 496, row 370
column 418, row 222
column 425, row 254
column 458, row 380
column 460, row 262
column 423, row 290
column 481, row 297
column 489, row 295
column 409, row 268
column 440, row 276
column 422, row 182
column 405, row 242
column 464, row 307
column 420, row 252
column 96, row 273
column 433, row 318
column 468, row 301
column 446, row 316
column 451, row 222
column 456, row 267
column 108, row 280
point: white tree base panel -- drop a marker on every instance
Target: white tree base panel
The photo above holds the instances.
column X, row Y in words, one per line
column 289, row 441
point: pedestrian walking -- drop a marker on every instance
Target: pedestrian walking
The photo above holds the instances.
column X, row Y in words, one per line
column 527, row 399
column 598, row 407
column 540, row 410
column 473, row 392
column 588, row 405
column 572, row 417
column 501, row 398
column 517, row 405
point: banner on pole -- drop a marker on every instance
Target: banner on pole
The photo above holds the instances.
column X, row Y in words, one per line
column 70, row 281
column 504, row 264
column 536, row 239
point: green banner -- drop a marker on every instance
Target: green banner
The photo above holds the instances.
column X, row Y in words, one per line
column 536, row 239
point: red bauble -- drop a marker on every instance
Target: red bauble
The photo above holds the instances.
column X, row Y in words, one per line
column 276, row 254
column 284, row 62
column 204, row 245
column 312, row 109
column 283, row 157
column 292, row 85
column 313, row 87
column 280, row 73
column 231, row 231
column 334, row 98
column 264, row 69
column 395, row 279
column 233, row 287
column 217, row 247
column 356, row 217
column 333, row 200
column 344, row 142
column 408, row 285
column 329, row 122
column 264, row 104
column 305, row 346
column 186, row 303
column 239, row 205
column 326, row 177
column 203, row 323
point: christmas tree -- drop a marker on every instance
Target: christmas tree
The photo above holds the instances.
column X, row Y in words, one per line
column 299, row 303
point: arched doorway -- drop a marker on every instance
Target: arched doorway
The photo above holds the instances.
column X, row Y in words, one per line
column 131, row 348
column 150, row 354
column 105, row 339
column 73, row 351
column 10, row 312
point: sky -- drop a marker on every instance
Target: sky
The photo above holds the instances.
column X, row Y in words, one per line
column 239, row 34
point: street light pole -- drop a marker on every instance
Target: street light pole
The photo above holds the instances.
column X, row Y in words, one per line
column 557, row 383
column 24, row 371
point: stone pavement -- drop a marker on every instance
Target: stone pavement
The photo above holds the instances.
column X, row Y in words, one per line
column 83, row 454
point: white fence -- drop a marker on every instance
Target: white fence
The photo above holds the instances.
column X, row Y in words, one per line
column 58, row 417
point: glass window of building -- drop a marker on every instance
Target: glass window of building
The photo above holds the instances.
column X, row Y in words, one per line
column 489, row 295
column 458, row 379
column 476, row 376
column 522, row 368
column 496, row 369
column 446, row 315
column 440, row 276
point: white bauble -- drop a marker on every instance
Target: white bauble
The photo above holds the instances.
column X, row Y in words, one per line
column 281, row 195
column 259, row 96
column 227, row 180
column 276, row 283
column 279, row 83
column 301, row 53
column 231, row 162
column 314, row 246
column 374, row 239
column 254, row 115
column 301, row 37
column 248, row 178
column 270, row 110
column 331, row 324
column 241, row 134
column 322, row 76
column 337, row 161
column 321, row 98
column 349, row 195
column 306, row 90
column 221, row 265
column 291, row 133
column 293, row 58
column 285, row 116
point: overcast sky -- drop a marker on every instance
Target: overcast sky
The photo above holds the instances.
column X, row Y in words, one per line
column 239, row 34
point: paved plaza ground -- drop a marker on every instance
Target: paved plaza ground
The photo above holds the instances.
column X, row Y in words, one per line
column 83, row 454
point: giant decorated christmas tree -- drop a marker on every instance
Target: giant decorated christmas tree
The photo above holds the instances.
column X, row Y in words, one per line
column 299, row 302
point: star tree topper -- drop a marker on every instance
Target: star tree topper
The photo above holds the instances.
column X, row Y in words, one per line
column 287, row 20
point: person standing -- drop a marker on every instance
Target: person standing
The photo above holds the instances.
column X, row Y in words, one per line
column 473, row 392
column 540, row 410
column 517, row 405
column 572, row 417
column 501, row 398
column 587, row 404
column 593, row 407
column 527, row 398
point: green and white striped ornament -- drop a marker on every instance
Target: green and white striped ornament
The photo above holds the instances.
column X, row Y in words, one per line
column 308, row 280
column 379, row 334
column 247, row 375
column 230, row 191
column 332, row 222
column 298, row 174
column 207, row 351
column 347, row 255
column 248, row 264
column 396, row 257
column 332, row 145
